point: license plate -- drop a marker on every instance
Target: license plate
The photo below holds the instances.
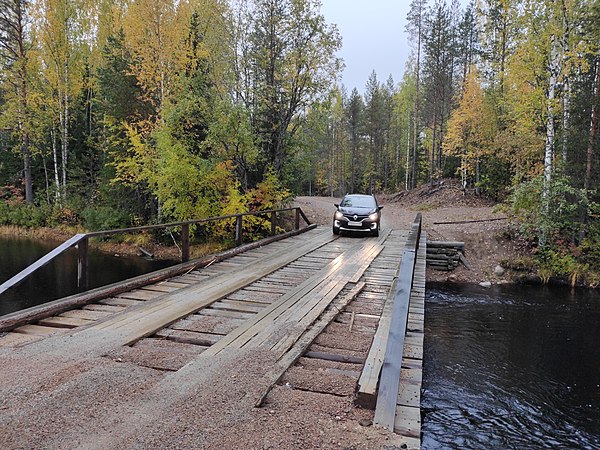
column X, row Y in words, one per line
column 354, row 224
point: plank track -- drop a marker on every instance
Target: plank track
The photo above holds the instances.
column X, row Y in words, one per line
column 292, row 297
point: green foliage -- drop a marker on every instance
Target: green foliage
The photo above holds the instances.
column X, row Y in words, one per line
column 549, row 210
column 24, row 215
column 104, row 218
column 551, row 215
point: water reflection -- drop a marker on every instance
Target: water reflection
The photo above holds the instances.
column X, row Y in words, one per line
column 59, row 278
column 511, row 367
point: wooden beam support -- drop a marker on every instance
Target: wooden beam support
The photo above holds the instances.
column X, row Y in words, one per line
column 185, row 242
column 82, row 264
column 385, row 410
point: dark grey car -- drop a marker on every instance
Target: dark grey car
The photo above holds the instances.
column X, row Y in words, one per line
column 357, row 212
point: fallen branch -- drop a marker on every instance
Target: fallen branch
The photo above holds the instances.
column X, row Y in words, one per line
column 146, row 252
column 464, row 261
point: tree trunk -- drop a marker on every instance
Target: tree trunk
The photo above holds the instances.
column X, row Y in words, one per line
column 55, row 160
column 566, row 120
column 413, row 181
column 550, row 131
column 432, row 162
column 407, row 168
column 593, row 127
column 27, row 169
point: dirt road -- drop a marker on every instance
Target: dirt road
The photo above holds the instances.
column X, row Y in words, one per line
column 485, row 246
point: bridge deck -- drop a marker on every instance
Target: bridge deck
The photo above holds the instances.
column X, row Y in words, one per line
column 300, row 312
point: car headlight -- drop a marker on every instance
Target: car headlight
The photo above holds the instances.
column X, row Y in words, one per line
column 373, row 217
column 338, row 215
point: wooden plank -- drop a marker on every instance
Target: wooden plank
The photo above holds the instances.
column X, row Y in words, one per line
column 116, row 301
column 409, row 394
column 408, row 422
column 366, row 395
column 85, row 314
column 37, row 330
column 107, row 308
column 188, row 337
column 235, row 305
column 446, row 244
column 64, row 322
column 385, row 410
column 225, row 313
column 159, row 288
column 334, row 357
column 143, row 295
column 174, row 283
column 264, row 298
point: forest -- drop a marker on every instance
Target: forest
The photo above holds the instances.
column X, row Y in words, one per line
column 127, row 112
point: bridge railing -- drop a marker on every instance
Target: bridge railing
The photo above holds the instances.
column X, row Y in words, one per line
column 81, row 241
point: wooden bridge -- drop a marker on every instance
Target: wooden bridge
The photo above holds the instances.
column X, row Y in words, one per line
column 307, row 315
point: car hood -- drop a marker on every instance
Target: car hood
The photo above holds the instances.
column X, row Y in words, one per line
column 357, row 211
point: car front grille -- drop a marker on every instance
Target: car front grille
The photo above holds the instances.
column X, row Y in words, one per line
column 355, row 218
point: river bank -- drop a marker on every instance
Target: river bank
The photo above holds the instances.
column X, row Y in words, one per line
column 127, row 245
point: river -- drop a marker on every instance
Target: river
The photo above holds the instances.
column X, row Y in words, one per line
column 59, row 278
column 511, row 367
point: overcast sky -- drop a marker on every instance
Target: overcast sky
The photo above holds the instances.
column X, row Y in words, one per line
column 373, row 38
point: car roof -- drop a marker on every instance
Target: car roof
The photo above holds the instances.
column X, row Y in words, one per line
column 359, row 195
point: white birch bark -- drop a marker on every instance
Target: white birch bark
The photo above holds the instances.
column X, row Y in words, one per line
column 550, row 100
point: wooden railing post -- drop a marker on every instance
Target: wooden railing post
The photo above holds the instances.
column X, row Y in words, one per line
column 297, row 220
column 273, row 223
column 185, row 242
column 82, row 263
column 238, row 230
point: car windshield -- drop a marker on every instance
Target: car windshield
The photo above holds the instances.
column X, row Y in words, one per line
column 358, row 202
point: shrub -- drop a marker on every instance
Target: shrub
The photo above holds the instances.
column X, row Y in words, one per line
column 104, row 218
column 24, row 215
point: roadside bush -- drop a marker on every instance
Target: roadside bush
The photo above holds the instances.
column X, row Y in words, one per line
column 562, row 225
column 24, row 215
column 104, row 218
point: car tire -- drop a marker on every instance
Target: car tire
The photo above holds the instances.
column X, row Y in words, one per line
column 375, row 232
column 336, row 230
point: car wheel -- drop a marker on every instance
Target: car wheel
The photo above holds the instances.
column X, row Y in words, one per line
column 336, row 230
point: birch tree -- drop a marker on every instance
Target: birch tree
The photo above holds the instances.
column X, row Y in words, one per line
column 61, row 33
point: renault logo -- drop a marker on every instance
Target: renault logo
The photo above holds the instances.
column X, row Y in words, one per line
column 355, row 217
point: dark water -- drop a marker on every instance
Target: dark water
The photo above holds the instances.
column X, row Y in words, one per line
column 59, row 278
column 511, row 367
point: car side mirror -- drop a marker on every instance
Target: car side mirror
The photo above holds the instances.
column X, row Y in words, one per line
column 380, row 208
column 336, row 205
